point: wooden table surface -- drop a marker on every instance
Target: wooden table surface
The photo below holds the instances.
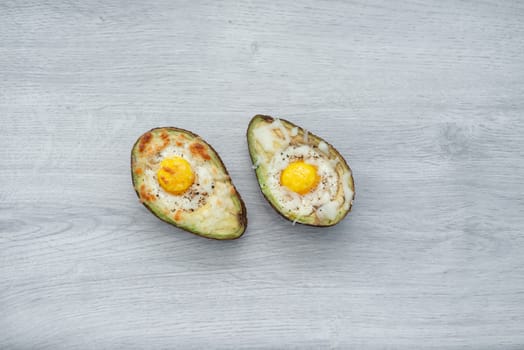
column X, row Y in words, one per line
column 425, row 99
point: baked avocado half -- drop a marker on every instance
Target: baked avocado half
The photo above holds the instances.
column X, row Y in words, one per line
column 303, row 177
column 181, row 179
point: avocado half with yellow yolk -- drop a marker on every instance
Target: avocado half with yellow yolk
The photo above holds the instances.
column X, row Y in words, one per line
column 303, row 177
column 181, row 179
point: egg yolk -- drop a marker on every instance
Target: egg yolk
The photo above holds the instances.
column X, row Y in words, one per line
column 300, row 177
column 175, row 175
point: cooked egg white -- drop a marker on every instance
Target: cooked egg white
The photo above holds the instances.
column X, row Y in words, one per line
column 322, row 190
column 194, row 196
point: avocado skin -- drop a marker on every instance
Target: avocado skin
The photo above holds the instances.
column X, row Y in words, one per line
column 242, row 216
column 267, row 118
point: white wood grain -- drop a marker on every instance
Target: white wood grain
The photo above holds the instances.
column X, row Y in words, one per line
column 425, row 99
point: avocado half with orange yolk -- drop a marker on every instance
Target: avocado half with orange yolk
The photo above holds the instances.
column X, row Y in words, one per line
column 181, row 179
column 302, row 176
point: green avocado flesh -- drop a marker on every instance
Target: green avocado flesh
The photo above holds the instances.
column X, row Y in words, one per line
column 211, row 207
column 276, row 143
